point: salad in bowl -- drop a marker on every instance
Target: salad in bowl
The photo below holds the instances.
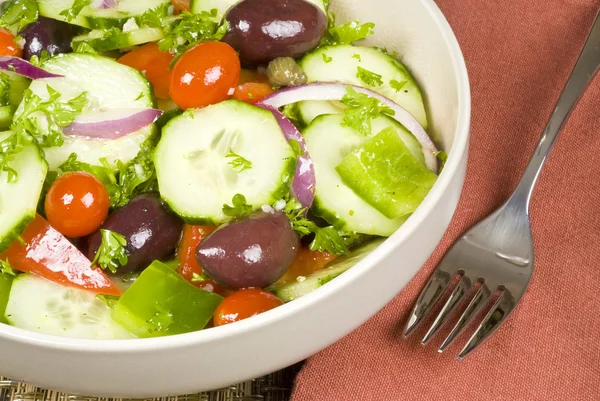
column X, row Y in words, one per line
column 167, row 167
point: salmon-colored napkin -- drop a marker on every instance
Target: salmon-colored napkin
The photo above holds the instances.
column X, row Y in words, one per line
column 519, row 54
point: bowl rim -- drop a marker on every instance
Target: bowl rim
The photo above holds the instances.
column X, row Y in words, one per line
column 453, row 164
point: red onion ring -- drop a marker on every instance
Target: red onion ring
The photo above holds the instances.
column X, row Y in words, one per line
column 104, row 4
column 303, row 185
column 24, row 68
column 335, row 91
column 113, row 123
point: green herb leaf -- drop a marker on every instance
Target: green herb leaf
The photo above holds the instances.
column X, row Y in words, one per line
column 326, row 58
column 291, row 112
column 71, row 13
column 109, row 300
column 111, row 253
column 84, row 47
column 198, row 278
column 37, row 61
column 356, row 56
column 19, row 13
column 6, row 269
column 397, row 85
column 324, row 280
column 238, row 162
column 4, row 88
column 157, row 17
column 239, row 209
column 369, row 77
column 296, row 147
column 361, row 110
column 347, row 33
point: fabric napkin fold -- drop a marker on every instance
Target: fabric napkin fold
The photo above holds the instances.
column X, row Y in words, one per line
column 519, row 54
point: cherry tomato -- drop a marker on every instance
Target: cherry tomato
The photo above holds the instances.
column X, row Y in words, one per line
column 77, row 204
column 181, row 5
column 305, row 263
column 154, row 64
column 206, row 74
column 247, row 75
column 252, row 92
column 8, row 47
column 48, row 254
column 243, row 304
column 188, row 264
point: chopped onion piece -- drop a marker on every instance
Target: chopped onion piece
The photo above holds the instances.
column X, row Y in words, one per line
column 112, row 124
column 335, row 91
column 303, row 186
column 24, row 68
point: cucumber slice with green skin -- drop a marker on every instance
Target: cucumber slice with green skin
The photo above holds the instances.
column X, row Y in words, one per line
column 383, row 172
column 328, row 142
column 161, row 302
column 42, row 306
column 5, row 283
column 195, row 176
column 102, row 42
column 222, row 6
column 6, row 116
column 304, row 285
column 109, row 85
column 343, row 67
column 91, row 17
column 18, row 200
column 309, row 110
column 12, row 93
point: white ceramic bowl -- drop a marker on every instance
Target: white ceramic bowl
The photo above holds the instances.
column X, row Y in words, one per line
column 209, row 359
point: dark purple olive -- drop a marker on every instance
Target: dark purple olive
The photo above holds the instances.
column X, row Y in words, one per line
column 262, row 30
column 251, row 252
column 151, row 230
column 46, row 34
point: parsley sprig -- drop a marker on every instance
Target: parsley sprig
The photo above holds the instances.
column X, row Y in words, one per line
column 6, row 269
column 240, row 207
column 111, row 253
column 368, row 77
column 347, row 33
column 18, row 13
column 238, row 162
column 361, row 109
column 71, row 13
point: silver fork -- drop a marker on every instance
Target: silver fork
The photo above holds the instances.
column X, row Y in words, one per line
column 493, row 261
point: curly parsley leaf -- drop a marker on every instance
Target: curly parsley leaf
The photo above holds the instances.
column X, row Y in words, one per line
column 397, row 85
column 38, row 60
column 361, row 109
column 239, row 209
column 238, row 162
column 347, row 33
column 369, row 77
column 6, row 269
column 157, row 17
column 327, row 59
column 71, row 13
column 327, row 239
column 84, row 47
column 111, row 253
column 19, row 13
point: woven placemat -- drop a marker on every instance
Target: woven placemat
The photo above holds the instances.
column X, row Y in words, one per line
column 274, row 387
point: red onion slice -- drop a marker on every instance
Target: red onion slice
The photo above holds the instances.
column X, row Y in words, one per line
column 303, row 185
column 24, row 68
column 335, row 91
column 111, row 124
column 103, row 4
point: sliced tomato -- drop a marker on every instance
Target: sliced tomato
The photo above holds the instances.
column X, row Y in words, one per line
column 180, row 5
column 8, row 47
column 305, row 263
column 47, row 253
column 252, row 92
column 154, row 64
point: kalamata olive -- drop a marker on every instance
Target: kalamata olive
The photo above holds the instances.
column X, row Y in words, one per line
column 251, row 252
column 262, row 30
column 151, row 230
column 46, row 34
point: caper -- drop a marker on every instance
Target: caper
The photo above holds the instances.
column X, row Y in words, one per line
column 284, row 71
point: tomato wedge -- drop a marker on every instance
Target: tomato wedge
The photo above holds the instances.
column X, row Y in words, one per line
column 48, row 254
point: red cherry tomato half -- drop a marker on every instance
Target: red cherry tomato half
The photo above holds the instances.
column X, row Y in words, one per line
column 243, row 304
column 252, row 92
column 181, row 5
column 154, row 64
column 77, row 204
column 206, row 74
column 8, row 47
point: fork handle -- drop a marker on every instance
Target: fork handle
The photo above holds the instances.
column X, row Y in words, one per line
column 583, row 73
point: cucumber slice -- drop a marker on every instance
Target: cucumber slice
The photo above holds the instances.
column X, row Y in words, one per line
column 304, row 285
column 383, row 172
column 17, row 85
column 328, row 143
column 109, row 85
column 91, row 17
column 6, row 116
column 18, row 200
column 222, row 6
column 5, row 283
column 161, row 302
column 42, row 306
column 343, row 67
column 309, row 110
column 103, row 41
column 194, row 174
